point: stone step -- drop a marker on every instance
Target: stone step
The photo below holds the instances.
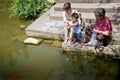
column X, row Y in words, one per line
column 45, row 28
column 87, row 17
column 110, row 51
column 90, row 7
column 90, row 1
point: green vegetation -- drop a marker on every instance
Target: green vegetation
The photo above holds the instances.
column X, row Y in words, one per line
column 28, row 8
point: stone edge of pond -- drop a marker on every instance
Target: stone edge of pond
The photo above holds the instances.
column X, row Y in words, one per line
column 110, row 51
column 45, row 41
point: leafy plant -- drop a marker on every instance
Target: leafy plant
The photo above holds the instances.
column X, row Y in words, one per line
column 28, row 8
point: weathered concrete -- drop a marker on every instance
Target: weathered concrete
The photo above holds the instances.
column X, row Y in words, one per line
column 89, row 7
column 111, row 51
column 87, row 17
column 34, row 41
column 112, row 11
column 40, row 27
column 90, row 1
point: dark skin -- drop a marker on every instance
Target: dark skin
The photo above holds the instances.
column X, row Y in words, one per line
column 106, row 33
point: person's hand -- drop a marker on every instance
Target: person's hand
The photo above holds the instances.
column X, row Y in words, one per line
column 95, row 30
column 68, row 27
column 98, row 31
column 66, row 24
column 70, row 22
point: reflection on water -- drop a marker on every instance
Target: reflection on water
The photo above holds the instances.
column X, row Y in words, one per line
column 25, row 62
column 48, row 63
column 31, row 62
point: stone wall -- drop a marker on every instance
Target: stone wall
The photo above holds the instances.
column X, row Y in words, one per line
column 91, row 1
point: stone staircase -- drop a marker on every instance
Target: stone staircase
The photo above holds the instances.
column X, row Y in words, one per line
column 50, row 25
column 89, row 1
column 86, row 10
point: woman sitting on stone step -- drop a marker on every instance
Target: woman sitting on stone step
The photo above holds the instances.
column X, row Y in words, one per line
column 68, row 11
column 102, row 32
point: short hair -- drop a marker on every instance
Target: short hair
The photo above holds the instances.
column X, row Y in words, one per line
column 66, row 6
column 100, row 12
column 75, row 15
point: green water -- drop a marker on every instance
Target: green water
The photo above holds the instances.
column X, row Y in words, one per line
column 25, row 62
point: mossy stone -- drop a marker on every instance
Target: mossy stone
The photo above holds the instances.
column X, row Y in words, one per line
column 57, row 43
column 47, row 42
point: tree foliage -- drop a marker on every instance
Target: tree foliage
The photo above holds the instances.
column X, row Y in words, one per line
column 28, row 8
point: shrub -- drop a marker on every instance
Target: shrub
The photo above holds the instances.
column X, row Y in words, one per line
column 28, row 8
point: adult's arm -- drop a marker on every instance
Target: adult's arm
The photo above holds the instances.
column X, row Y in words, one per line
column 64, row 18
column 107, row 28
column 106, row 33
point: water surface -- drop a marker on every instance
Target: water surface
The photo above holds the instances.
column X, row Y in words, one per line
column 43, row 62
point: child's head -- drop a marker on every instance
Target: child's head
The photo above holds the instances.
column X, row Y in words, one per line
column 67, row 6
column 75, row 17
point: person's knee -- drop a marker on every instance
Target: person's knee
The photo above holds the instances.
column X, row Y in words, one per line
column 100, row 37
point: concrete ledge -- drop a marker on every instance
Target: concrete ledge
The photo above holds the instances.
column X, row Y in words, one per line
column 47, row 33
column 112, row 51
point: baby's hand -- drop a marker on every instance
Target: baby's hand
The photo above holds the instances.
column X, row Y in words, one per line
column 70, row 22
column 68, row 27
column 66, row 24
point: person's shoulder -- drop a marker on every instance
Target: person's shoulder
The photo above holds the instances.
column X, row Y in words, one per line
column 106, row 19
